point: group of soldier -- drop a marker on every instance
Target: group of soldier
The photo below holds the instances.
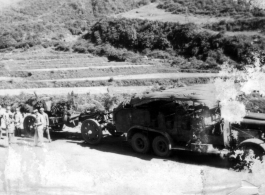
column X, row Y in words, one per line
column 12, row 124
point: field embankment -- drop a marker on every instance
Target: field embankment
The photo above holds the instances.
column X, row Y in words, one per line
column 62, row 70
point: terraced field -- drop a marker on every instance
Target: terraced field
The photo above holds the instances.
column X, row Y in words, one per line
column 82, row 72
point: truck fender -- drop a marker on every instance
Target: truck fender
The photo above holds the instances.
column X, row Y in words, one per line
column 254, row 141
column 165, row 134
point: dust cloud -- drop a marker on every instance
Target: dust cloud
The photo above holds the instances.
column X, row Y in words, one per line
column 233, row 83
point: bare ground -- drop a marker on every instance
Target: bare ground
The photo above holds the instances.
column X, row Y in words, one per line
column 68, row 166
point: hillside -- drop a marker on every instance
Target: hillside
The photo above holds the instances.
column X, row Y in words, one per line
column 203, row 36
column 183, row 45
column 154, row 13
column 46, row 22
column 216, row 8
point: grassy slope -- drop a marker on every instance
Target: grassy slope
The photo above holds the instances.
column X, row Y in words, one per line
column 152, row 12
column 35, row 22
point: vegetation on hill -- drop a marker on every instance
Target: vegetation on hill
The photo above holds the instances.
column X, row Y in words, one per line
column 213, row 7
column 250, row 24
column 60, row 24
column 204, row 50
column 50, row 22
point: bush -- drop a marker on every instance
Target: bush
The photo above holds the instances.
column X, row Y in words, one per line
column 81, row 46
column 159, row 54
column 62, row 47
column 143, row 2
column 178, row 62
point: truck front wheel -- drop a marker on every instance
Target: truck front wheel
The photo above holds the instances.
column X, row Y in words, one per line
column 161, row 147
column 140, row 143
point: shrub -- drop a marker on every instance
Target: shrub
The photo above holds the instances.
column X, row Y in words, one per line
column 111, row 79
column 159, row 54
column 144, row 2
column 62, row 47
column 81, row 46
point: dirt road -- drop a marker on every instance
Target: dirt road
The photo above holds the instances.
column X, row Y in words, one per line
column 68, row 166
column 139, row 76
column 84, row 68
column 76, row 90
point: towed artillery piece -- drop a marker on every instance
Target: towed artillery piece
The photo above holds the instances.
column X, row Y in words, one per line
column 56, row 119
column 186, row 118
column 91, row 121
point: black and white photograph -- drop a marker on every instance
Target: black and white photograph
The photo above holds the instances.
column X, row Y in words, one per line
column 132, row 97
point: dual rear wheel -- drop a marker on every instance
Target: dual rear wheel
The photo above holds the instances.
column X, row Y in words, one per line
column 141, row 144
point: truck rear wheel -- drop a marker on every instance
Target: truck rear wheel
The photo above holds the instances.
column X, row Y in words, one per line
column 161, row 147
column 140, row 143
column 91, row 131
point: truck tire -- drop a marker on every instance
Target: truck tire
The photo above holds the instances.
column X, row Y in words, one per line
column 140, row 143
column 161, row 147
column 91, row 131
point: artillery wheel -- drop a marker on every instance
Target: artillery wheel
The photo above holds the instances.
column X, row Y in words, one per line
column 160, row 146
column 113, row 131
column 140, row 143
column 91, row 131
column 28, row 125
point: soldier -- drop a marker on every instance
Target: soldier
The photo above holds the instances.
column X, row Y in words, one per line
column 38, row 136
column 45, row 123
column 18, row 122
column 10, row 124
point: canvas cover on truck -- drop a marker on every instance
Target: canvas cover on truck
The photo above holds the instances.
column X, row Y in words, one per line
column 204, row 94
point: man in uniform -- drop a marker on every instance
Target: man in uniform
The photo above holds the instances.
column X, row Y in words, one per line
column 18, row 122
column 45, row 123
column 10, row 127
column 38, row 136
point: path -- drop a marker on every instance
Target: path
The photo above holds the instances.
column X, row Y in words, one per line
column 76, row 90
column 140, row 76
column 84, row 68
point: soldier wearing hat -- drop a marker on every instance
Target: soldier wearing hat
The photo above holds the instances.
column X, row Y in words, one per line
column 45, row 123
column 38, row 136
